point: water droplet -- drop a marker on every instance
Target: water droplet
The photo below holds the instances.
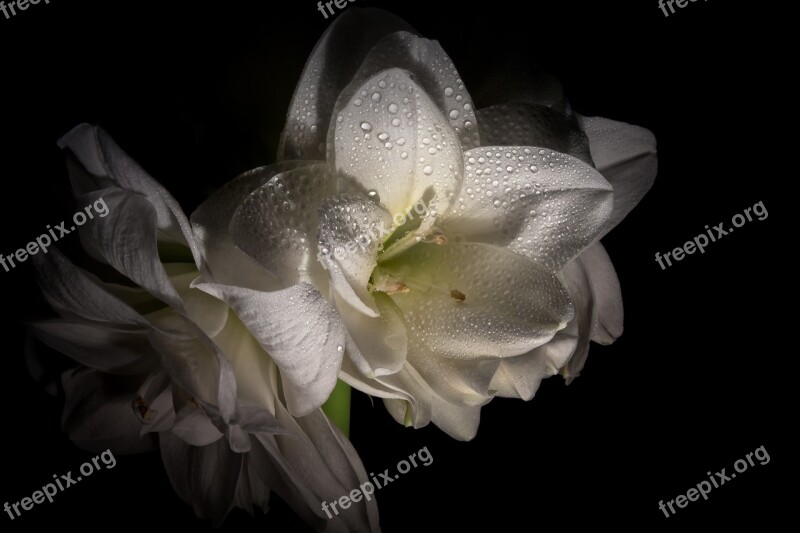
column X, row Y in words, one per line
column 366, row 126
column 428, row 170
column 393, row 108
column 376, row 97
column 448, row 91
column 454, row 114
column 357, row 102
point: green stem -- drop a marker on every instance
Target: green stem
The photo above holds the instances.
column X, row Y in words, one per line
column 338, row 407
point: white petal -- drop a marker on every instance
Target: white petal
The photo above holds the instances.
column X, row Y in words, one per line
column 478, row 301
column 580, row 289
column 299, row 330
column 72, row 292
column 332, row 64
column 98, row 413
column 194, row 362
column 227, row 263
column 523, row 124
column 250, row 362
column 99, row 346
column 97, row 152
column 607, row 294
column 519, row 377
column 376, row 345
column 204, row 476
column 431, row 67
column 542, row 204
column 195, row 427
column 398, row 144
column 458, row 420
column 277, row 224
column 126, row 239
column 349, row 239
column 626, row 155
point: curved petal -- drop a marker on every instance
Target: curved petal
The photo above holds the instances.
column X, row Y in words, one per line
column 329, row 69
column 580, row 289
column 277, row 224
column 469, row 301
column 607, row 294
column 100, row 156
column 299, row 330
column 204, row 476
column 626, row 155
column 98, row 346
column 395, row 143
column 349, row 239
column 432, row 68
column 458, row 420
column 376, row 345
column 251, row 364
column 533, row 125
column 73, row 292
column 194, row 426
column 98, row 413
column 210, row 222
column 520, row 377
column 542, row 204
column 126, row 239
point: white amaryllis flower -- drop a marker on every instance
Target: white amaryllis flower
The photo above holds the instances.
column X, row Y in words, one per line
column 167, row 364
column 500, row 281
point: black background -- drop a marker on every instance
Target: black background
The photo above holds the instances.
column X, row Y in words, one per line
column 197, row 93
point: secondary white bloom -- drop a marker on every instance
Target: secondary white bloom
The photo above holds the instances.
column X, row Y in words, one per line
column 167, row 364
column 501, row 284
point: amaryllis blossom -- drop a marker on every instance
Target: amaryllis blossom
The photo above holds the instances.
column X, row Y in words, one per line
column 165, row 364
column 502, row 281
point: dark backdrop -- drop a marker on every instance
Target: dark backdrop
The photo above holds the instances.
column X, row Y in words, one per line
column 197, row 93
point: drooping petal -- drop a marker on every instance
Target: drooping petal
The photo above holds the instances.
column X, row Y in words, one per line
column 194, row 362
column 194, row 426
column 339, row 456
column 523, row 124
column 73, row 292
column 277, row 224
column 98, row 413
column 398, row 144
column 458, row 420
column 580, row 289
column 520, row 377
column 541, row 204
column 626, row 155
column 607, row 294
column 300, row 331
column 250, row 362
column 204, row 476
column 210, row 222
column 431, row 67
column 126, row 239
column 332, row 64
column 349, row 240
column 376, row 345
column 100, row 156
column 472, row 300
column 98, row 346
